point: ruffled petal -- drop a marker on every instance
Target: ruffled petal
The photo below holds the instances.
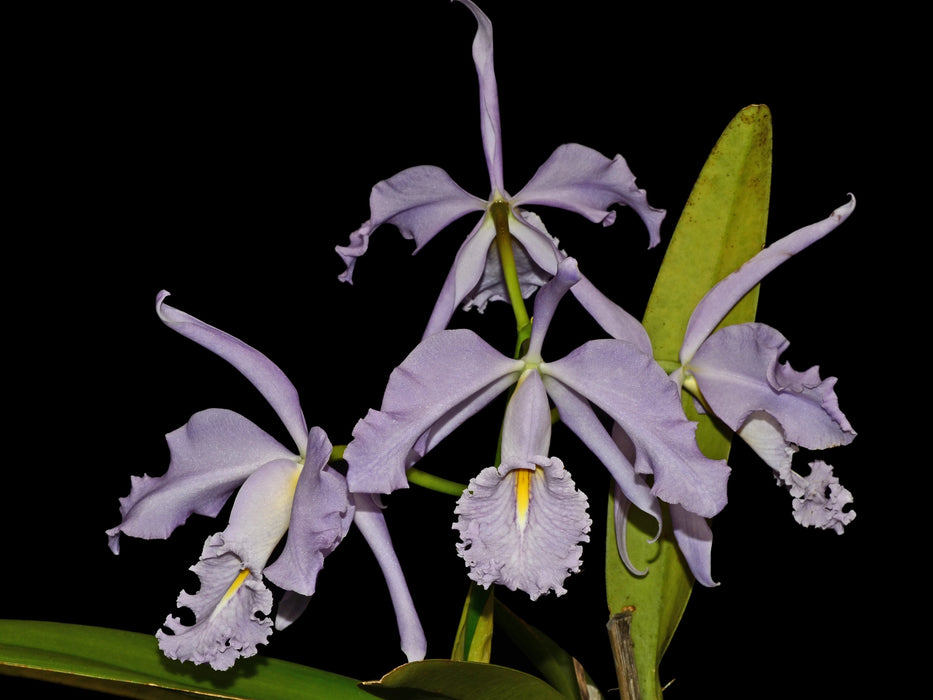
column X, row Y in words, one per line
column 432, row 384
column 232, row 604
column 819, row 499
column 371, row 523
column 320, row 518
column 488, row 96
column 231, row 611
column 581, row 180
column 211, row 455
column 420, row 201
column 718, row 301
column 739, row 377
column 256, row 367
column 638, row 395
column 522, row 528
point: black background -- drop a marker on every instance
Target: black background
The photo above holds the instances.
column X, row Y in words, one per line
column 221, row 155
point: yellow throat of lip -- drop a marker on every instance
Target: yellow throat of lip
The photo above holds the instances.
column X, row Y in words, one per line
column 234, row 587
column 522, row 495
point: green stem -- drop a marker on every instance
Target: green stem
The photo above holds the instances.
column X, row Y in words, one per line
column 500, row 217
column 434, row 483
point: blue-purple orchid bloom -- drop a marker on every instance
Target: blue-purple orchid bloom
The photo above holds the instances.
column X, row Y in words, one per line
column 735, row 373
column 422, row 200
column 521, row 523
column 280, row 492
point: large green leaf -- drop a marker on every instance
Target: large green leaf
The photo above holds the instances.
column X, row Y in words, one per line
column 459, row 680
column 723, row 225
column 130, row 665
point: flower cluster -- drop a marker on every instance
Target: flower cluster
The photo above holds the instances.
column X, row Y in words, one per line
column 522, row 520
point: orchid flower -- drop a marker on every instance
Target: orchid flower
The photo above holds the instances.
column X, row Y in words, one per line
column 452, row 374
column 422, row 200
column 218, row 451
column 735, row 374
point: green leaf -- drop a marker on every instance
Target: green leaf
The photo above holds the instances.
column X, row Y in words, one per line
column 459, row 680
column 474, row 633
column 130, row 665
column 556, row 666
column 723, row 225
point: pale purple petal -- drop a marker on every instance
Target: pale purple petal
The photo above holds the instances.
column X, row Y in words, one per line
column 211, row 455
column 371, row 523
column 522, row 528
column 256, row 367
column 739, row 376
column 819, row 499
column 232, row 604
column 695, row 541
column 491, row 286
column 441, row 373
column 584, row 181
column 231, row 610
column 638, row 395
column 465, row 274
column 714, row 306
column 320, row 518
column 611, row 317
column 526, row 426
column 420, row 201
column 546, row 304
column 577, row 414
column 291, row 606
column 488, row 96
column 620, row 508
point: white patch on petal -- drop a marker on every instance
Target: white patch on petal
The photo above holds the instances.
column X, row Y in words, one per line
column 523, row 530
column 231, row 611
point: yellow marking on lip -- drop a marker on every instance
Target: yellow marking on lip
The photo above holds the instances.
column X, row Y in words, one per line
column 522, row 495
column 234, row 587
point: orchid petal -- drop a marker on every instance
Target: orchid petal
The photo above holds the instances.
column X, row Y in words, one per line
column 620, row 507
column 695, row 541
column 465, row 274
column 526, row 427
column 420, row 201
column 488, row 96
column 441, row 373
column 582, row 180
column 819, row 499
column 290, row 608
column 714, row 306
column 546, row 303
column 256, row 367
column 211, row 455
column 232, row 596
column 738, row 374
column 638, row 395
column 320, row 518
column 611, row 317
column 231, row 610
column 522, row 528
column 577, row 414
column 371, row 523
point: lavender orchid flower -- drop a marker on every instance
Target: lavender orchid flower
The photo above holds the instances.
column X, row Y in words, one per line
column 452, row 374
column 736, row 375
column 422, row 200
column 218, row 451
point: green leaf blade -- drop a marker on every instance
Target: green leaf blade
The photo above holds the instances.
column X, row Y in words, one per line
column 723, row 224
column 130, row 664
